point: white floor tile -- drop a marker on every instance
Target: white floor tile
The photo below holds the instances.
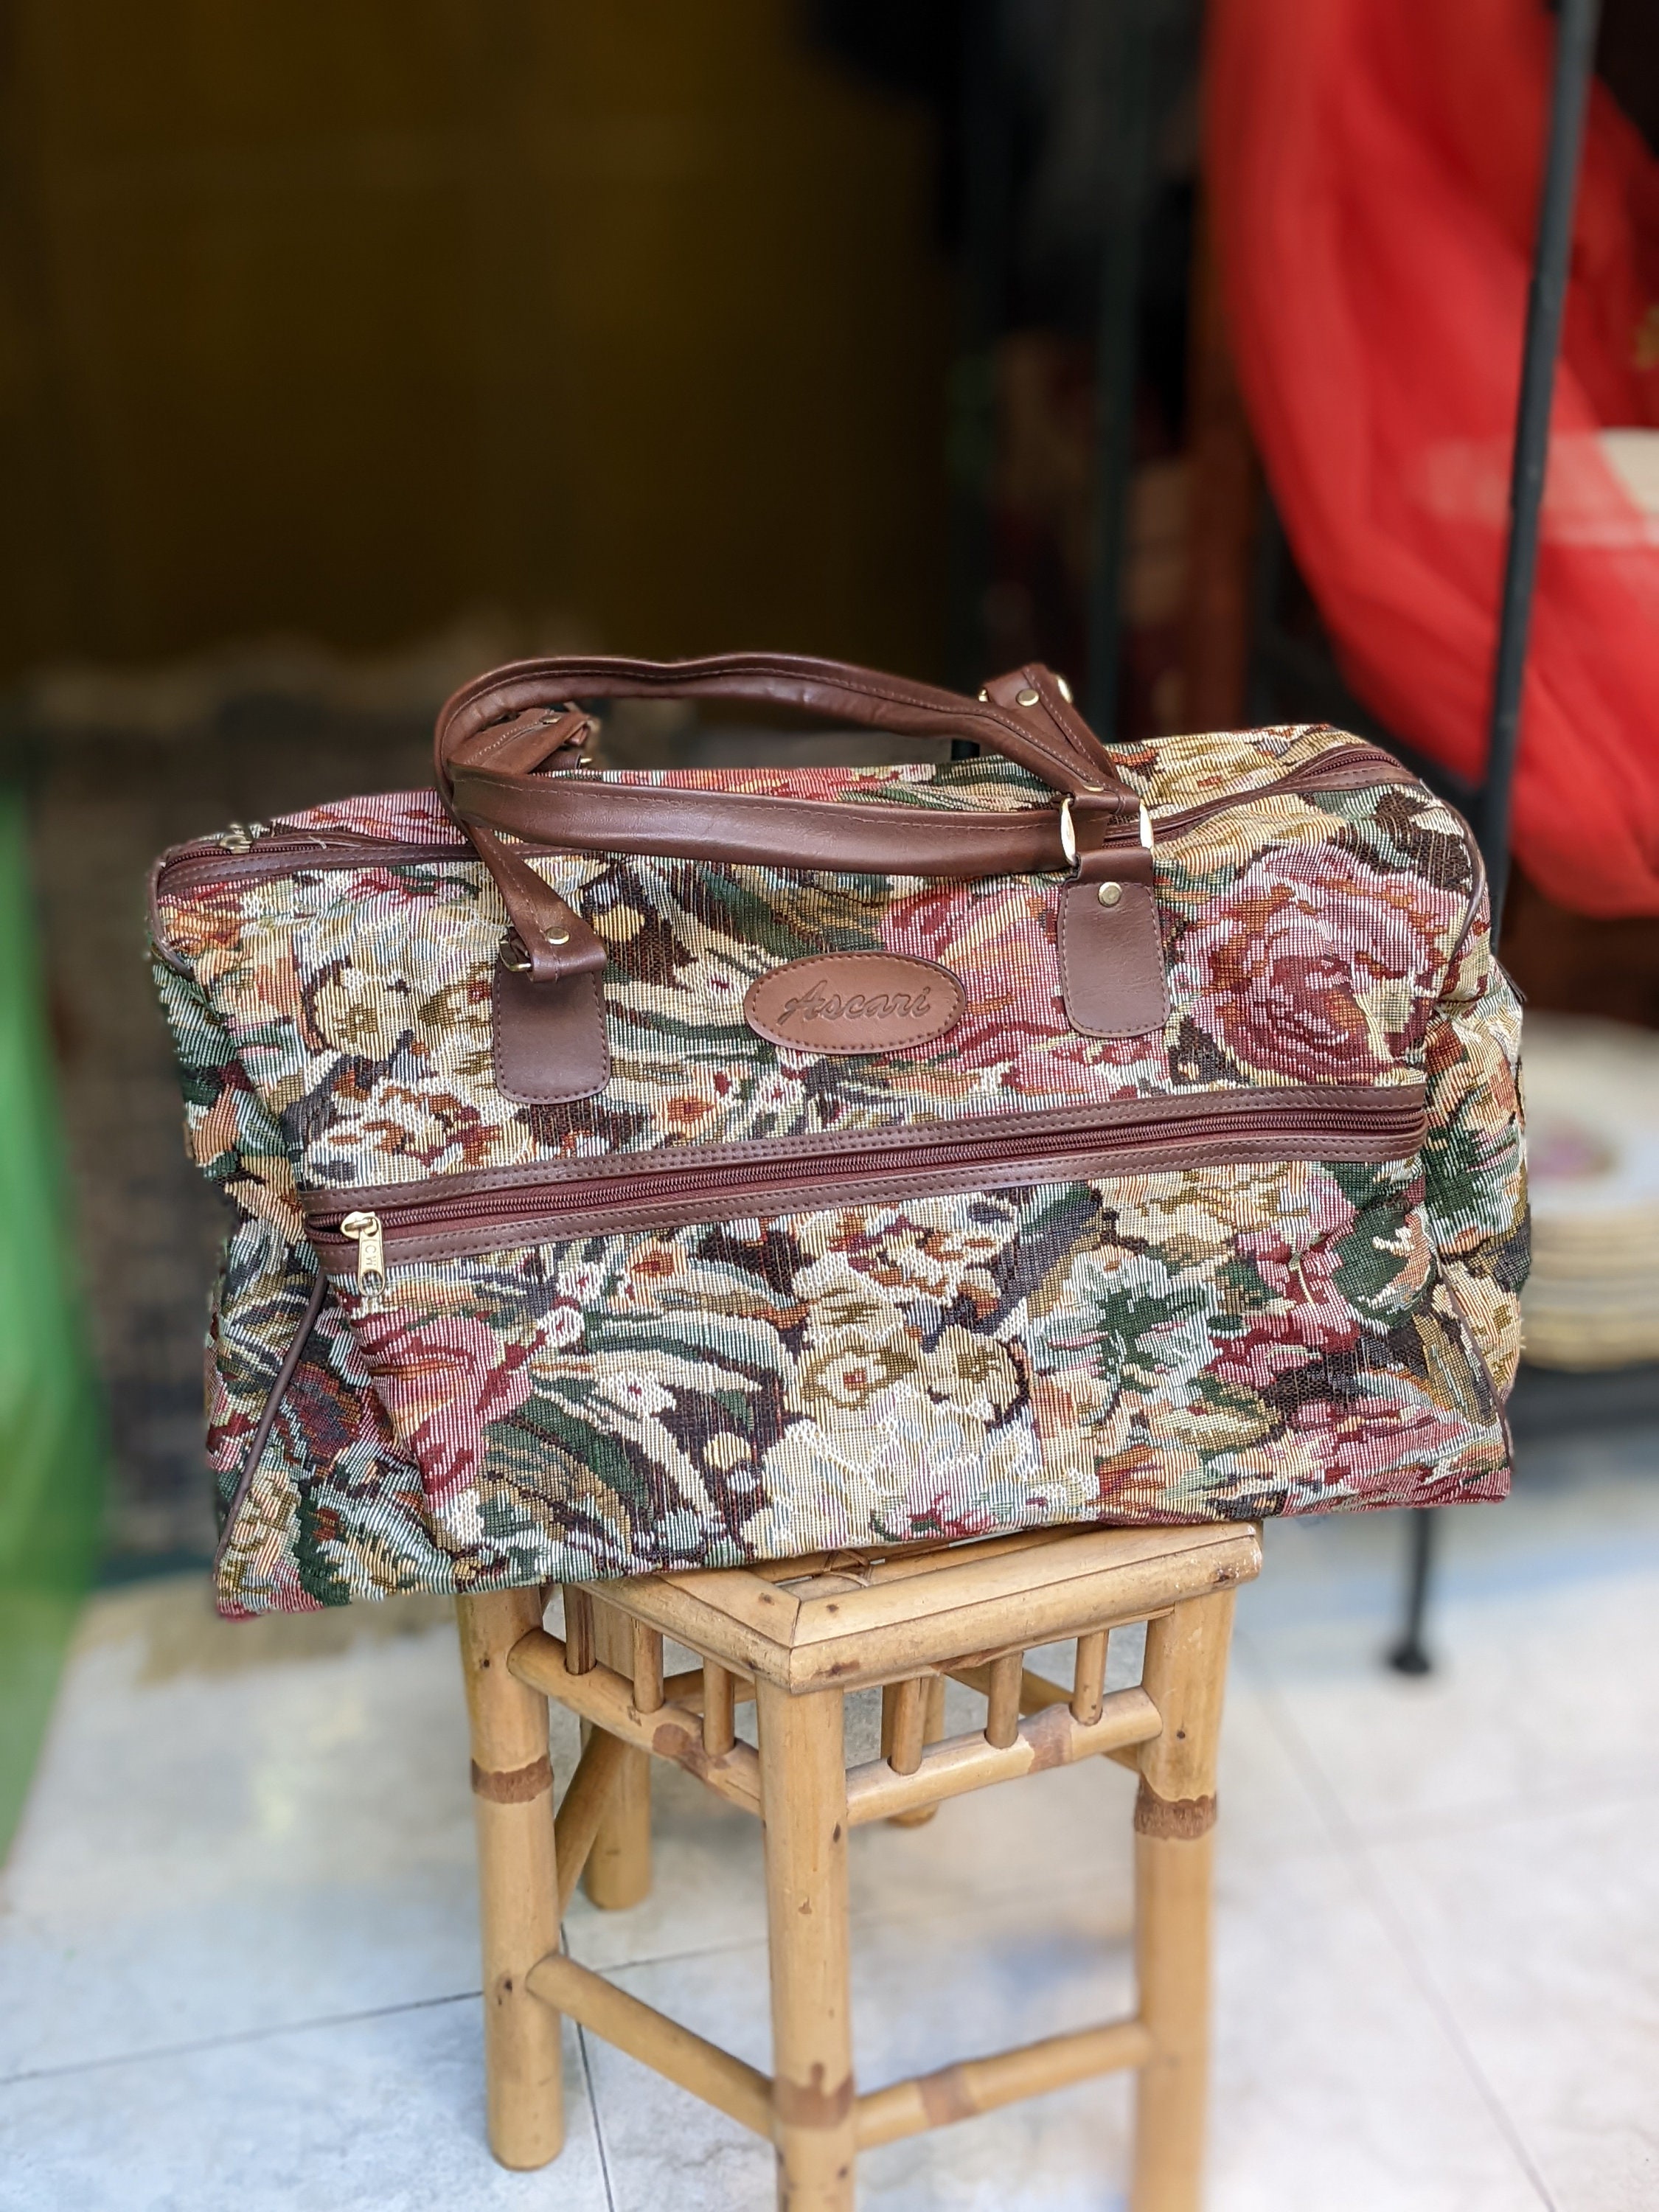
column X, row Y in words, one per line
column 1536, row 1601
column 1335, row 2084
column 377, row 2115
column 215, row 1845
column 1543, row 1934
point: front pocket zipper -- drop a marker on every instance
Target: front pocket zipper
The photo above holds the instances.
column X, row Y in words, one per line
column 359, row 1233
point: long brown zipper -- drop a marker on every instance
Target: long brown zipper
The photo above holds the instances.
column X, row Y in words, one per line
column 361, row 1231
column 258, row 850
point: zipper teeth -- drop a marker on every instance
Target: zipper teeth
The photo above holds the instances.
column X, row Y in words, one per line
column 275, row 853
column 531, row 1203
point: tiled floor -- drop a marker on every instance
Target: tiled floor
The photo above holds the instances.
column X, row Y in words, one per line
column 237, row 1955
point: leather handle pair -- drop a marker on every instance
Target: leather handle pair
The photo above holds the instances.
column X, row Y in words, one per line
column 497, row 731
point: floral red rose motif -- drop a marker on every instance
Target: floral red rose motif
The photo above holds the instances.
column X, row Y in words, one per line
column 442, row 1382
column 1316, row 966
column 1309, row 1316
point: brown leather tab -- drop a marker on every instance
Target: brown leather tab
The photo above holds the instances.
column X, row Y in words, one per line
column 1111, row 960
column 515, row 1786
column 855, row 1002
column 1179, row 1820
column 549, row 1038
column 552, row 937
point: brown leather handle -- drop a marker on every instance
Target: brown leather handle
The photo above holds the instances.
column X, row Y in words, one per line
column 498, row 730
column 1024, row 715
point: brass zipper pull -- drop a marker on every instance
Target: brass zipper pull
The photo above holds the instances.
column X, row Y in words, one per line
column 366, row 1232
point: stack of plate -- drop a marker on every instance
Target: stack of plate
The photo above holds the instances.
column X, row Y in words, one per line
column 1592, row 1094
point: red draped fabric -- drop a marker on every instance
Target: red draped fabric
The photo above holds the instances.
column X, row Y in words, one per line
column 1374, row 170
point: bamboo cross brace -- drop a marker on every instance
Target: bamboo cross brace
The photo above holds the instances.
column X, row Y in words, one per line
column 582, row 1808
column 979, row 2085
column 909, row 2107
column 742, row 2091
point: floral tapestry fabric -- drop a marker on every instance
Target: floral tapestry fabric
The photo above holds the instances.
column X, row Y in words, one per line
column 1218, row 1341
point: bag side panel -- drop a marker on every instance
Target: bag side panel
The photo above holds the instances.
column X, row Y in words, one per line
column 1474, row 1157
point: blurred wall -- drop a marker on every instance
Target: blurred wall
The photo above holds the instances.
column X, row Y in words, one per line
column 629, row 318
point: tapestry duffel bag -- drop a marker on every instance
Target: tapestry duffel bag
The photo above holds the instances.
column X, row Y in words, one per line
column 645, row 1170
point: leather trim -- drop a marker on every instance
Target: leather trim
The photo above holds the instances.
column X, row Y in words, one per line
column 548, row 1044
column 845, row 1003
column 1111, row 961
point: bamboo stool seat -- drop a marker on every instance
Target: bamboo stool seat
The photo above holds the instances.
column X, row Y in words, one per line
column 795, row 1637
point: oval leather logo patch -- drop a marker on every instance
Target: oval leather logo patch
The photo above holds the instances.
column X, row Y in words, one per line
column 850, row 1002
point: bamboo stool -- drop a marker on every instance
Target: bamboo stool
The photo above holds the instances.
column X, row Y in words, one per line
column 796, row 1637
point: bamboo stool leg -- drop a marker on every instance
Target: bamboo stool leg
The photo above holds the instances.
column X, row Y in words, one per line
column 803, row 1813
column 618, row 1872
column 518, row 1879
column 1185, row 1676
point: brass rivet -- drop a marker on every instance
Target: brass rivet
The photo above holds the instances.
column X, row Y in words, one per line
column 1110, row 894
column 984, row 694
column 563, row 936
column 1065, row 690
column 1027, row 698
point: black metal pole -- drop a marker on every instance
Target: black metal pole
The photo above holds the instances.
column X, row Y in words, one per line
column 971, row 433
column 1575, row 62
column 1128, row 62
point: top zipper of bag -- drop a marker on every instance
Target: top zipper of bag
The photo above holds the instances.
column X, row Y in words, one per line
column 248, row 851
column 361, row 1231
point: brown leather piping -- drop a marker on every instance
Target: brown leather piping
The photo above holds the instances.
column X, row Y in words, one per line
column 564, row 1226
column 262, row 1427
column 584, row 813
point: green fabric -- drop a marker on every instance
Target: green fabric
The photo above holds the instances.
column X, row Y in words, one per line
column 52, row 1433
